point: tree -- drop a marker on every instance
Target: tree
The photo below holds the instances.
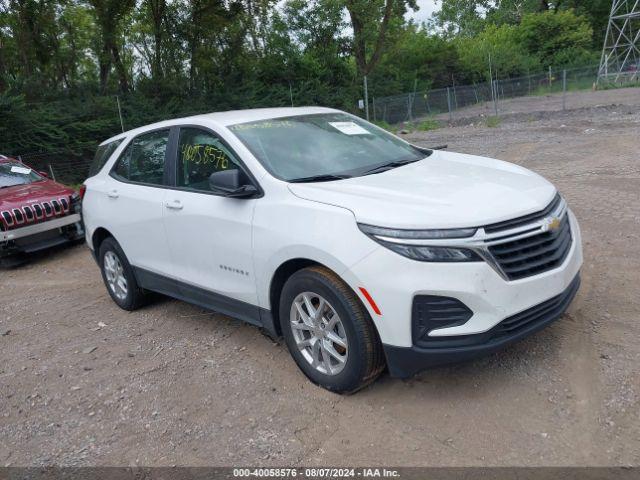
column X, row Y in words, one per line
column 206, row 18
column 461, row 17
column 470, row 17
column 498, row 46
column 32, row 24
column 415, row 59
column 109, row 16
column 370, row 21
column 156, row 10
column 557, row 38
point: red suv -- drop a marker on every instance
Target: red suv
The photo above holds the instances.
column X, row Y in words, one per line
column 35, row 212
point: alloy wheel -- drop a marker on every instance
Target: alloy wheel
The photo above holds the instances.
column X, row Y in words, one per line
column 115, row 275
column 319, row 333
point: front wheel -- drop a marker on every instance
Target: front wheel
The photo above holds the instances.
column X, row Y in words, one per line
column 118, row 276
column 329, row 332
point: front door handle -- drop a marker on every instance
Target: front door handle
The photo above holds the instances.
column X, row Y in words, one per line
column 175, row 205
column 113, row 194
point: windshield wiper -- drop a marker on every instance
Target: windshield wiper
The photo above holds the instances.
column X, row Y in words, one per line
column 389, row 166
column 319, row 178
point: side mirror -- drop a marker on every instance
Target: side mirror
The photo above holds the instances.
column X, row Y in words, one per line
column 44, row 174
column 232, row 183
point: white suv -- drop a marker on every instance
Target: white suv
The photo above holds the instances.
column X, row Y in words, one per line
column 362, row 250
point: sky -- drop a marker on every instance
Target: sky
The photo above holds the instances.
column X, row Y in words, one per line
column 427, row 7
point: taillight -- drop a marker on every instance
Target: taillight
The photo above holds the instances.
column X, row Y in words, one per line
column 83, row 190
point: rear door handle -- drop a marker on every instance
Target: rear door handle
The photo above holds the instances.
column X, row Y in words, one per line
column 113, row 194
column 175, row 205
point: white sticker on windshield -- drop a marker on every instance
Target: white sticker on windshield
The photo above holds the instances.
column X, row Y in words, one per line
column 22, row 170
column 349, row 128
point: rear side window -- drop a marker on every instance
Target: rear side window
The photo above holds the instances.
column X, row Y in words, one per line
column 103, row 154
column 144, row 158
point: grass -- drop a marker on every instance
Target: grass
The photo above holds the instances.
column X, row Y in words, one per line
column 382, row 124
column 493, row 122
column 428, row 124
column 615, row 86
column 422, row 126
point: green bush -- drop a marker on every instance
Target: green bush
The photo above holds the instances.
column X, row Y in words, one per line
column 498, row 45
column 559, row 38
column 428, row 124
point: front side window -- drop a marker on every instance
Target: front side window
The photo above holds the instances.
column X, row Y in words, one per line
column 305, row 146
column 143, row 159
column 102, row 155
column 14, row 173
column 200, row 154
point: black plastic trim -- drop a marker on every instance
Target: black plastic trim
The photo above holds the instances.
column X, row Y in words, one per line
column 404, row 362
column 206, row 299
column 430, row 312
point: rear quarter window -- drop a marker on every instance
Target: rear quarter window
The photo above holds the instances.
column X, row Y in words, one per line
column 103, row 154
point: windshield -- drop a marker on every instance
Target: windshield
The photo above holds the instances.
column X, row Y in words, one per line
column 333, row 144
column 12, row 174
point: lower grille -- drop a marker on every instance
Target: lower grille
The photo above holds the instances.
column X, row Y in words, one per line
column 429, row 312
column 535, row 254
column 550, row 308
column 515, row 326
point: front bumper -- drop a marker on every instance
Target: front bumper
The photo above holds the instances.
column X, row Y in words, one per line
column 36, row 228
column 404, row 362
column 394, row 281
column 40, row 236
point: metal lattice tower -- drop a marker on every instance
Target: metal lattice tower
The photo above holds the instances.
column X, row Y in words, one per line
column 620, row 61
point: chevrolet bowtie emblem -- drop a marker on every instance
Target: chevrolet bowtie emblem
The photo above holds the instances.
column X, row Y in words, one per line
column 551, row 224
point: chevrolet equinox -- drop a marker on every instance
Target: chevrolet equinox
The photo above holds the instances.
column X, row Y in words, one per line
column 363, row 251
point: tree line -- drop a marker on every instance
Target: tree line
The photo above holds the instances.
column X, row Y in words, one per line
column 63, row 62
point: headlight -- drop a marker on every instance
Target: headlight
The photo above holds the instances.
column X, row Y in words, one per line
column 417, row 234
column 424, row 253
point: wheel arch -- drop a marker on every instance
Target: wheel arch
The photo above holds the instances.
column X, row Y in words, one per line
column 284, row 271
column 99, row 235
column 279, row 278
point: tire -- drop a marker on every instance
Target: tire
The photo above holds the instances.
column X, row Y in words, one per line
column 362, row 354
column 134, row 297
column 13, row 261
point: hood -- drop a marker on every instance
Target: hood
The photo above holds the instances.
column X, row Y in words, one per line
column 37, row 192
column 445, row 190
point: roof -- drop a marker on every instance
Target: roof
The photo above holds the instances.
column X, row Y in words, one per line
column 233, row 117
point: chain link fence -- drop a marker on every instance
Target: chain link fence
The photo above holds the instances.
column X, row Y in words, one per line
column 444, row 104
column 451, row 102
column 58, row 166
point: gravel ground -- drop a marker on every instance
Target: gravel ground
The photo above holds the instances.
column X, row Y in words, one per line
column 85, row 383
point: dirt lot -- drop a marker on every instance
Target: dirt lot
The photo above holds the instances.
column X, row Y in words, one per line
column 85, row 383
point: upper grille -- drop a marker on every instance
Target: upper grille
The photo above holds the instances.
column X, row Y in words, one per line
column 525, row 220
column 534, row 254
column 28, row 214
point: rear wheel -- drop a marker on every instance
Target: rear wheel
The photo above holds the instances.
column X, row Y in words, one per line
column 118, row 276
column 329, row 332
